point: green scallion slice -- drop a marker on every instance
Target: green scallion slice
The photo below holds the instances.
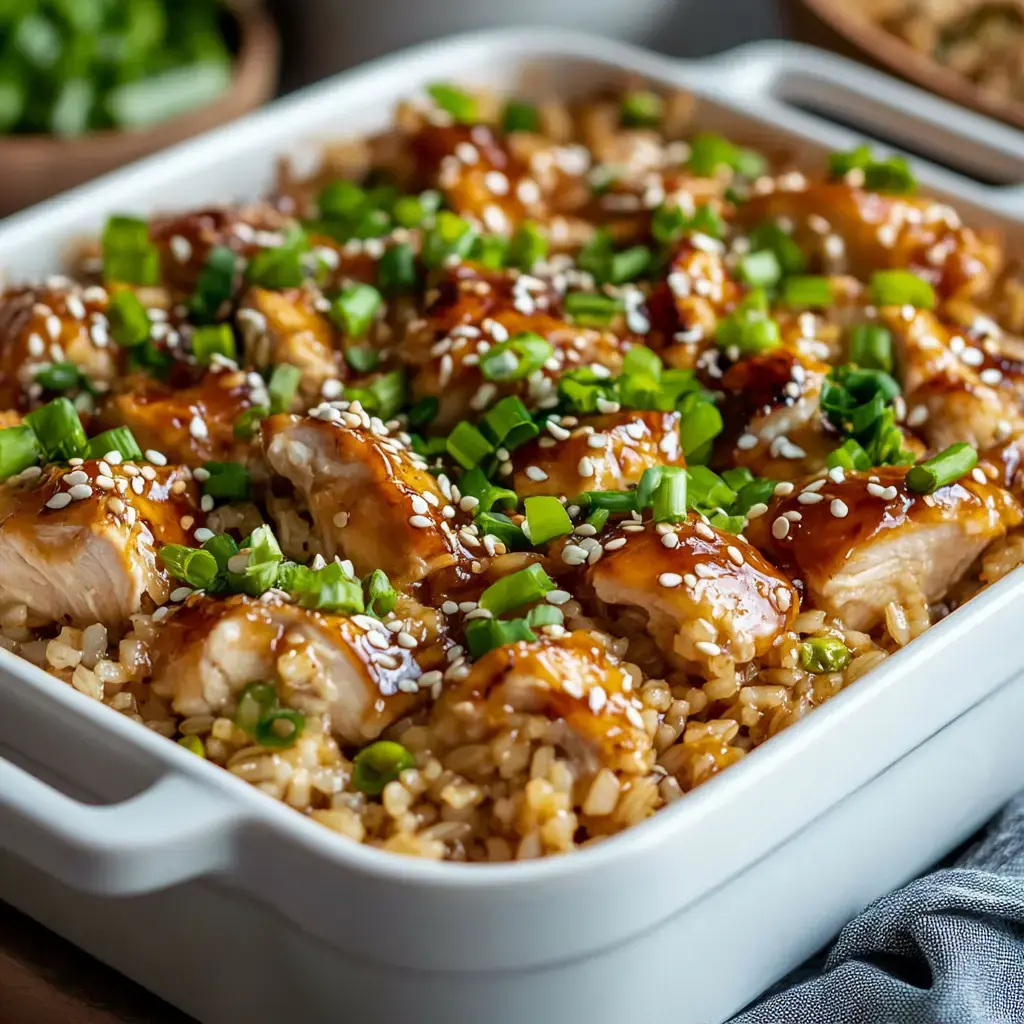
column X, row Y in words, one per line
column 668, row 504
column 129, row 321
column 700, row 423
column 228, row 481
column 497, row 525
column 544, row 615
column 253, row 703
column 223, row 548
column 945, row 468
column 355, row 309
column 342, row 200
column 381, row 596
column 642, row 109
column 120, row 440
column 396, row 270
column 529, row 246
column 613, row 501
column 546, row 519
column 520, row 116
column 901, row 288
column 193, row 566
column 761, row 269
column 454, row 101
column 516, row 358
column 519, row 588
column 467, row 446
column 211, row 340
column 483, row 635
column 597, row 518
column 871, row 347
column 215, row 285
column 591, row 309
column 810, row 290
column 193, row 744
column 128, row 255
column 279, row 728
column 473, row 483
column 59, row 377
column 59, row 431
column 248, row 421
column 19, row 449
column 282, row 386
column 378, row 764
column 508, row 424
column 280, row 267
column 771, row 236
column 451, row 237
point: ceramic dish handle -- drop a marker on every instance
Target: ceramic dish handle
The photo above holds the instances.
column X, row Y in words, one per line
column 172, row 831
column 969, row 153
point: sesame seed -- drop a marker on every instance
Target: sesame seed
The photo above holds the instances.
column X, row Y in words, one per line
column 376, row 639
column 80, row 492
column 780, row 528
column 180, row 593
column 669, row 540
column 202, row 534
column 420, row 522
column 597, row 440
column 793, row 517
column 597, row 698
column 449, row 607
column 838, row 508
column 406, row 640
column 419, row 505
column 978, row 475
column 76, row 477
column 708, row 648
column 138, row 484
column 735, row 554
column 689, row 579
column 746, row 442
column 536, row 474
column 783, row 599
column 757, row 510
column 670, row 579
column 783, row 489
column 157, row 458
column 59, row 500
column 614, row 545
column 198, row 429
column 585, row 467
column 703, row 530
column 117, row 506
column 104, row 482
column 573, row 555
column 810, row 498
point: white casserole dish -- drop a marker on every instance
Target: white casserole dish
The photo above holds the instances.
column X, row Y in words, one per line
column 234, row 907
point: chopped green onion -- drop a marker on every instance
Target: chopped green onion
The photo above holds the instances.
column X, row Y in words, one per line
column 128, row 254
column 508, row 424
column 821, row 654
column 228, row 481
column 381, row 597
column 355, row 308
column 595, row 256
column 755, row 492
column 516, row 358
column 707, row 490
column 749, row 328
column 19, row 449
column 215, row 284
column 342, row 200
column 901, row 288
column 362, row 359
column 396, row 270
column 598, row 518
column 630, row 264
column 279, row 727
column 871, row 347
column 491, row 251
column 945, row 468
column 649, row 481
column 519, row 588
column 669, row 223
column 591, row 309
column 474, row 484
column 761, row 269
column 520, row 116
column 700, row 423
column 668, row 503
column 384, row 396
column 807, row 290
column 378, row 764
column 891, row 174
column 282, row 386
column 497, row 525
column 194, row 566
column 129, row 321
column 457, row 102
column 708, row 221
column 253, row 703
column 737, row 477
column 642, row 109
column 223, row 548
column 729, row 523
column 424, row 411
column 613, row 501
column 467, row 446
column 59, row 377
column 193, row 744
column 546, row 519
column 770, row 236
column 451, row 237
column 59, row 431
column 211, row 340
column 710, row 152
column 328, row 589
column 245, row 425
column 544, row 615
column 529, row 246
column 483, row 635
column 120, row 440
column 280, row 267
column 850, row 455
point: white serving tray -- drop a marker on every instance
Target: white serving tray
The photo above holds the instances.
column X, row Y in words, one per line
column 234, row 907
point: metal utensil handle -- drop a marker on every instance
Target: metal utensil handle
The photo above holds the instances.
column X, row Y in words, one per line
column 773, row 76
column 173, row 831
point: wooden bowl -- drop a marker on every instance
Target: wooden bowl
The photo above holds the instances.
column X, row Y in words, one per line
column 838, row 25
column 33, row 167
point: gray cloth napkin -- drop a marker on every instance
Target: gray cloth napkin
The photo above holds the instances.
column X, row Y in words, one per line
column 946, row 949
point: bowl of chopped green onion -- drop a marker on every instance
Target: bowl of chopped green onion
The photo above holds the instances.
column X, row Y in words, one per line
column 89, row 85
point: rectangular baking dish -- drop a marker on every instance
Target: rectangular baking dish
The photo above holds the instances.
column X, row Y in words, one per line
column 232, row 906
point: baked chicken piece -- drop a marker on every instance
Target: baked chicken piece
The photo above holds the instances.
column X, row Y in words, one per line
column 78, row 544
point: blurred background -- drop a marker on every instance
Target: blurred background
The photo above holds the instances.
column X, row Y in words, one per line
column 88, row 85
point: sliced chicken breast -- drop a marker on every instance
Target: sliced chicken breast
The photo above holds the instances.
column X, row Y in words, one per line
column 598, row 453
column 371, row 498
column 710, row 599
column 353, row 668
column 866, row 541
column 79, row 544
column 572, row 679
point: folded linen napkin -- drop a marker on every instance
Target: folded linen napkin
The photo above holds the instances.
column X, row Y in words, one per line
column 946, row 949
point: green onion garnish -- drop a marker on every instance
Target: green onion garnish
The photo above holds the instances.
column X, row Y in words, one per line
column 520, row 116
column 194, row 566
column 128, row 254
column 519, row 588
column 424, row 411
column 668, row 504
column 473, row 483
column 355, row 308
column 381, row 597
column 850, row 455
column 597, row 518
column 384, row 396
column 497, row 525
column 642, row 109
column 457, row 102
column 342, row 200
column 451, row 237
column 871, row 347
column 761, row 269
column 19, row 449
column 362, row 359
column 129, row 321
column 669, row 223
column 253, row 703
column 228, row 481
column 590, row 309
column 282, row 386
column 630, row 264
column 544, row 615
column 120, row 440
column 215, row 284
column 328, row 589
column 707, row 490
column 749, row 328
column 491, row 251
column 771, row 237
column 945, row 468
column 378, row 764
column 467, row 446
column 483, row 635
column 710, row 152
column 807, row 290
column 508, row 424
column 245, row 425
column 279, row 727
column 700, row 423
column 901, row 288
column 516, row 358
column 59, row 377
column 396, row 270
column 613, row 501
column 280, row 267
column 529, row 246
column 211, row 340
column 223, row 548
column 546, row 519
column 58, row 430
column 820, row 654
column 890, row 174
